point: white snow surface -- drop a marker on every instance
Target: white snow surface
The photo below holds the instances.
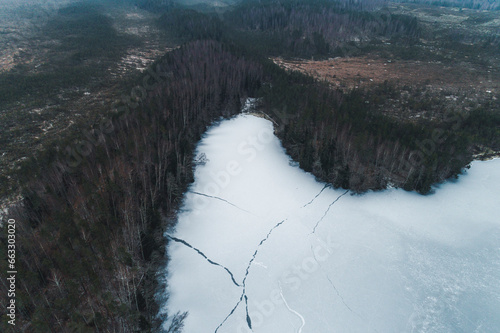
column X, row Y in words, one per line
column 390, row 261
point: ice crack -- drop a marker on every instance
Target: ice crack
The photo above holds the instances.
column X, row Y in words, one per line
column 204, row 256
column 230, row 313
column 243, row 295
column 337, row 292
column 244, row 292
column 258, row 246
column 328, row 209
column 333, row 286
column 249, row 321
column 221, row 199
column 317, row 195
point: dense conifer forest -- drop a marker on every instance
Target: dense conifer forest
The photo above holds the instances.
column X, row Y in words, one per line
column 90, row 238
column 340, row 137
column 90, row 231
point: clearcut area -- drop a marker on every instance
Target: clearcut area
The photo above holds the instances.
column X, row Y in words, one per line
column 261, row 246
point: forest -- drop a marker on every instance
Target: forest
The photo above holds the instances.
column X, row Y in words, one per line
column 90, row 238
column 316, row 28
column 342, row 138
column 305, row 29
column 87, row 45
column 90, row 227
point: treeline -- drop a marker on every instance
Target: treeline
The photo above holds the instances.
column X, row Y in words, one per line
column 89, row 235
column 90, row 227
column 320, row 28
column 344, row 140
column 155, row 5
column 293, row 28
column 188, row 25
column 340, row 137
column 482, row 127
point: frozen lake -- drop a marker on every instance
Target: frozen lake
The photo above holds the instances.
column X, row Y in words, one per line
column 261, row 246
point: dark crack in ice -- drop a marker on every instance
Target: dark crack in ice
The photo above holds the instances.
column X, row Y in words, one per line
column 223, row 200
column 243, row 294
column 206, row 258
column 317, row 195
column 328, row 209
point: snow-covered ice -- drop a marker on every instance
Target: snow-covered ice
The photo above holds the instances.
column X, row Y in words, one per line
column 261, row 246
